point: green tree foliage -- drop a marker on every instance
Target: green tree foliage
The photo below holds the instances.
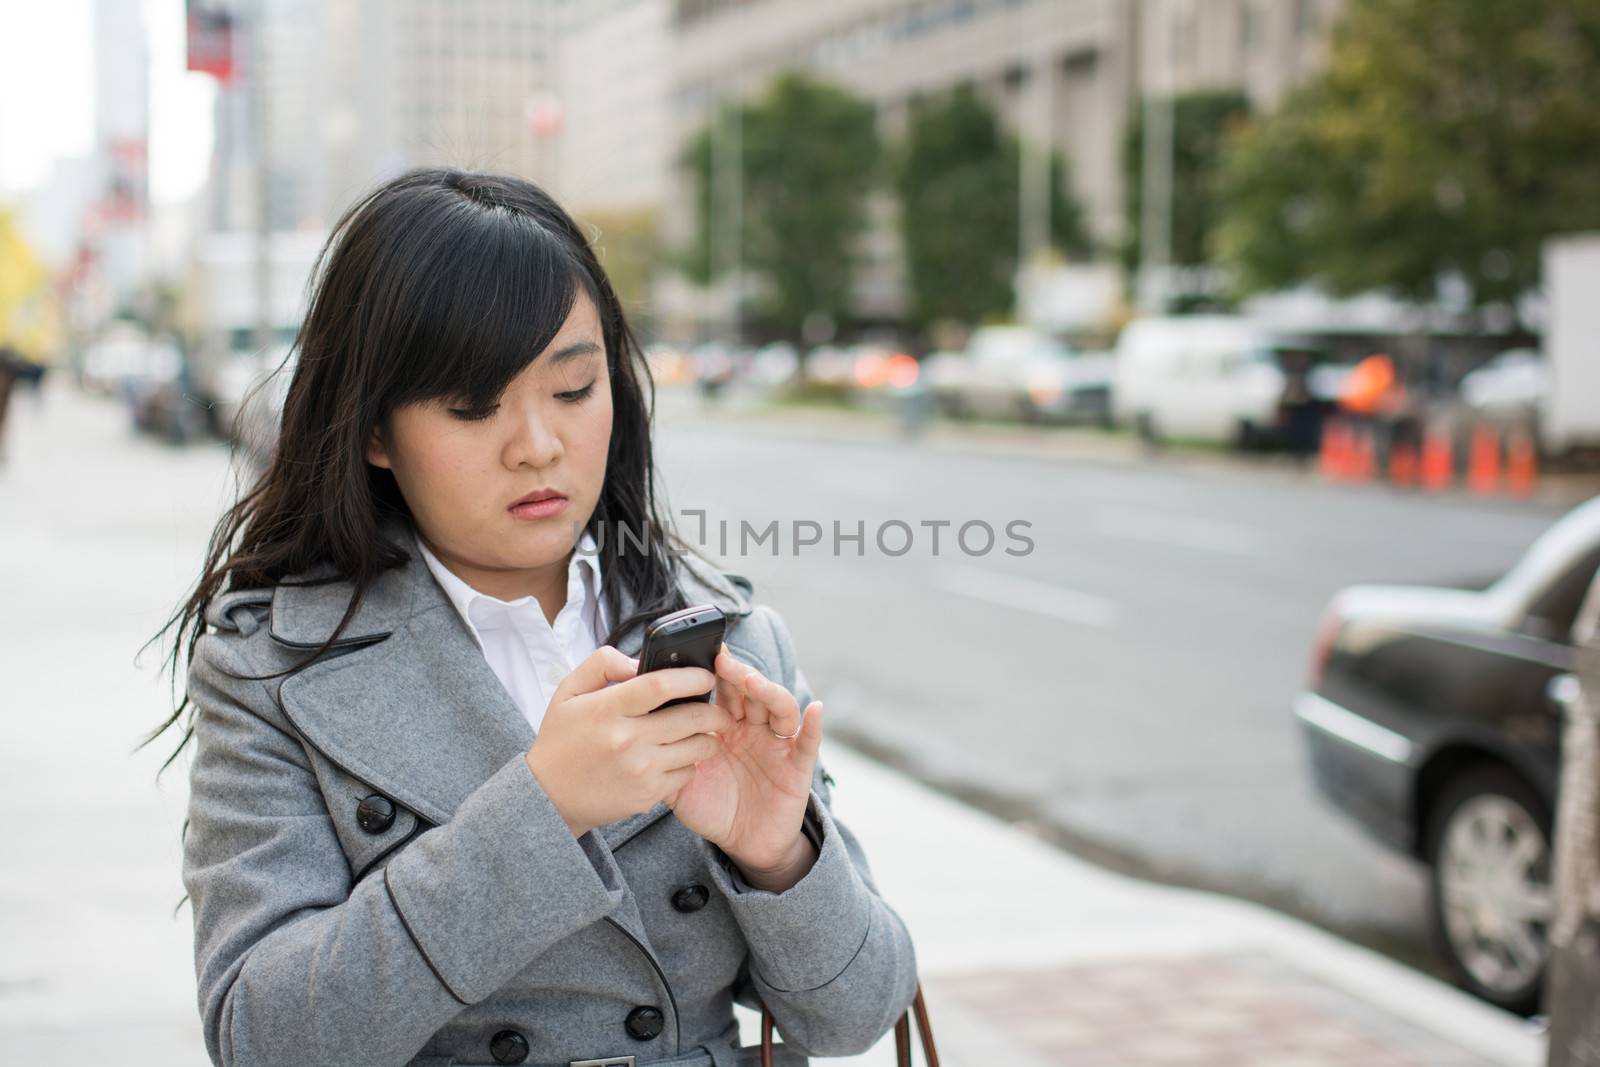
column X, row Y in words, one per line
column 809, row 155
column 1201, row 123
column 628, row 243
column 1447, row 138
column 958, row 180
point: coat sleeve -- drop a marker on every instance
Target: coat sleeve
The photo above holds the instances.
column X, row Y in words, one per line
column 296, row 962
column 831, row 959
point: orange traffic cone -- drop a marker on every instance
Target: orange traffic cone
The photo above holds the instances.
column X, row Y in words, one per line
column 1332, row 459
column 1438, row 461
column 1363, row 457
column 1403, row 465
column 1522, row 463
column 1483, row 463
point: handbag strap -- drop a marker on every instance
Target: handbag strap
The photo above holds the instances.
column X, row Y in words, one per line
column 902, row 1034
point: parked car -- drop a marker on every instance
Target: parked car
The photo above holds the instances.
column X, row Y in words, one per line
column 1075, row 388
column 1510, row 388
column 1016, row 372
column 125, row 356
column 1216, row 378
column 1433, row 719
column 259, row 409
column 166, row 402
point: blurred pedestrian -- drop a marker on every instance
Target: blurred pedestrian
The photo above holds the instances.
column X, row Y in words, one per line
column 418, row 749
column 1299, row 412
column 1375, row 402
column 11, row 366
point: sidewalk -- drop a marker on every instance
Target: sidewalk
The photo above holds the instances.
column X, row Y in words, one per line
column 1030, row 957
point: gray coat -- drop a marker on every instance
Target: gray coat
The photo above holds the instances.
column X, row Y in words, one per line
column 377, row 877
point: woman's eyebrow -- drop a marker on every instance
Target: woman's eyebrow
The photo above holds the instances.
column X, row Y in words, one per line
column 572, row 351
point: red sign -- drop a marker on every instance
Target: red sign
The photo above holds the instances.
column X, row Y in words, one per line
column 210, row 41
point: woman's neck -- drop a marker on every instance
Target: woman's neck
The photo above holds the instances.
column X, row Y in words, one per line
column 547, row 584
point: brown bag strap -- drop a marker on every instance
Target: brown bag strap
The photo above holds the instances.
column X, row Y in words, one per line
column 902, row 1034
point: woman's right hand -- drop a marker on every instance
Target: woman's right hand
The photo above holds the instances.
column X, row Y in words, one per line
column 602, row 752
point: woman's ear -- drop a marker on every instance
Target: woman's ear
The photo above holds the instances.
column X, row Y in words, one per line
column 377, row 452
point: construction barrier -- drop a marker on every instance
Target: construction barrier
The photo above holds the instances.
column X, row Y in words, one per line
column 1483, row 461
column 1495, row 462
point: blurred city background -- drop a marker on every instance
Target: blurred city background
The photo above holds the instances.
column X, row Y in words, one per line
column 1274, row 320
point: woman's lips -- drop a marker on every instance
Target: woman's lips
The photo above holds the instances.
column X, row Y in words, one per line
column 540, row 509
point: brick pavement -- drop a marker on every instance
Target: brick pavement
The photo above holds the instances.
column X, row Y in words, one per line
column 1242, row 1010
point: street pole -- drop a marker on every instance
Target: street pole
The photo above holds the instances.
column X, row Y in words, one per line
column 727, row 200
column 1155, row 216
column 1572, row 990
column 1035, row 142
column 259, row 131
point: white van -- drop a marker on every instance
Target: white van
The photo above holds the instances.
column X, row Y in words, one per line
column 1199, row 378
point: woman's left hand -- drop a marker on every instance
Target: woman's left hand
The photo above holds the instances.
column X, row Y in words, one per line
column 750, row 798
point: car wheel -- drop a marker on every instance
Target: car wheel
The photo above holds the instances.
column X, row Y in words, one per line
column 1489, row 855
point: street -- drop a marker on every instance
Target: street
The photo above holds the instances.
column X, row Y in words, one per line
column 1129, row 681
column 1129, row 678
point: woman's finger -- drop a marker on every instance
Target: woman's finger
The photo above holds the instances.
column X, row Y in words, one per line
column 781, row 714
column 687, row 752
column 599, row 669
column 810, row 740
column 648, row 691
column 730, row 694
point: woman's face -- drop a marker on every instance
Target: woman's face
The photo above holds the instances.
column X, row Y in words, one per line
column 460, row 471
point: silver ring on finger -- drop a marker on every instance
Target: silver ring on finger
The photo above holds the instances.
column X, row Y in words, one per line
column 785, row 737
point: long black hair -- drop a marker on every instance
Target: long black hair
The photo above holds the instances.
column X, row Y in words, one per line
column 441, row 283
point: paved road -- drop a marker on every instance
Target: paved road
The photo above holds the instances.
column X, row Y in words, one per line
column 1129, row 680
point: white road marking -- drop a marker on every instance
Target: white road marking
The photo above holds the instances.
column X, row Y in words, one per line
column 1025, row 594
column 1182, row 531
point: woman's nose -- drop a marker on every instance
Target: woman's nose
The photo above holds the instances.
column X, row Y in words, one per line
column 533, row 442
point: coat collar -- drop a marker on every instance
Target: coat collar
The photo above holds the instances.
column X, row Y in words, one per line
column 409, row 705
column 307, row 607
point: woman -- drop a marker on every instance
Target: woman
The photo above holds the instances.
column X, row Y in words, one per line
column 415, row 836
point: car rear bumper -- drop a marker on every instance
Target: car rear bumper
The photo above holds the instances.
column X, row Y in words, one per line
column 1363, row 768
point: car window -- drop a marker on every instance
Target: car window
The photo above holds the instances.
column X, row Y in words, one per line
column 1555, row 608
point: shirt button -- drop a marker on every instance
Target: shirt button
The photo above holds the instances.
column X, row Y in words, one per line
column 508, row 1046
column 691, row 898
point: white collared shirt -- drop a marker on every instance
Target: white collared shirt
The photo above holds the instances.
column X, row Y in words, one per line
column 527, row 654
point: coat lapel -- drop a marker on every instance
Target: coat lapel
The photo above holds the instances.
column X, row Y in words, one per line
column 410, row 705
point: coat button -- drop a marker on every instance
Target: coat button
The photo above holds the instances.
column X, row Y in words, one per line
column 645, row 1023
column 508, row 1046
column 375, row 814
column 691, row 898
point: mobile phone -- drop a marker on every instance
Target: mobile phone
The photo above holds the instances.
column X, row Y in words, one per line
column 688, row 638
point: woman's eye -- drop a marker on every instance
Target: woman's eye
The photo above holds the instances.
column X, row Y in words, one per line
column 577, row 395
column 474, row 414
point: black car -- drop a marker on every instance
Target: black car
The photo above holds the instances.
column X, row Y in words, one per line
column 1433, row 719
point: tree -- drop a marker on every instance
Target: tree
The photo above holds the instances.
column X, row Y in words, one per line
column 957, row 177
column 29, row 316
column 1201, row 123
column 1447, row 139
column 809, row 154
column 628, row 244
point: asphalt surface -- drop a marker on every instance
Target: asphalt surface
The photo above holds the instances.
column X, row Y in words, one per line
column 1125, row 685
